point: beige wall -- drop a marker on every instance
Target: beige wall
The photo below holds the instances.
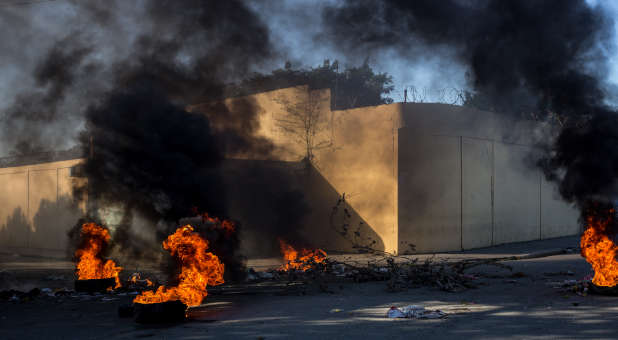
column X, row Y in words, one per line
column 37, row 206
column 362, row 163
column 429, row 177
column 476, row 201
column 517, row 205
column 274, row 121
column 429, row 192
column 354, row 154
column 467, row 179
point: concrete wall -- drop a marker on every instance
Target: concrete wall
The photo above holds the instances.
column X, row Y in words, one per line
column 362, row 163
column 354, row 155
column 517, row 195
column 476, row 200
column 422, row 177
column 291, row 200
column 37, row 207
column 470, row 182
column 429, row 192
column 398, row 178
column 273, row 117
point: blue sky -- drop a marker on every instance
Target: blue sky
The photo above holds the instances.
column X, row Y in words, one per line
column 294, row 24
column 28, row 31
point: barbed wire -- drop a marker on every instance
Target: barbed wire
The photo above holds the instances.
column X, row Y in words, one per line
column 445, row 95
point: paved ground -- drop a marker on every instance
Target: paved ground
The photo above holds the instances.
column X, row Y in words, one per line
column 504, row 307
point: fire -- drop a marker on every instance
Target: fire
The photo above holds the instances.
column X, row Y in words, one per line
column 90, row 265
column 137, row 277
column 303, row 260
column 600, row 251
column 199, row 269
column 227, row 226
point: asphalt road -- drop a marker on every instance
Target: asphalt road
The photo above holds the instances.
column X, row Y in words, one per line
column 505, row 306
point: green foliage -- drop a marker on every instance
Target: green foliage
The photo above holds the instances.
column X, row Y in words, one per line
column 354, row 87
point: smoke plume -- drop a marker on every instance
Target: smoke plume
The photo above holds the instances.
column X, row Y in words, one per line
column 126, row 76
column 522, row 56
column 148, row 153
column 25, row 122
column 129, row 71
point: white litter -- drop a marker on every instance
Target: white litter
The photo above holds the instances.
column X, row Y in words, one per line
column 415, row 312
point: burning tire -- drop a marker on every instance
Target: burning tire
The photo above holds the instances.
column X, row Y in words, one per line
column 163, row 312
column 604, row 290
column 95, row 285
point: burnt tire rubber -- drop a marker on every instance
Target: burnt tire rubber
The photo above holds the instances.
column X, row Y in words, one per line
column 95, row 285
column 604, row 290
column 164, row 312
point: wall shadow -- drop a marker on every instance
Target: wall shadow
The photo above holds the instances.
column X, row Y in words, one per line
column 292, row 201
column 48, row 230
column 52, row 221
column 15, row 232
column 269, row 200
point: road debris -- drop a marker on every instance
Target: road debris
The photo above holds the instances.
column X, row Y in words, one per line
column 16, row 295
column 56, row 278
column 578, row 287
column 400, row 273
column 561, row 273
column 414, row 312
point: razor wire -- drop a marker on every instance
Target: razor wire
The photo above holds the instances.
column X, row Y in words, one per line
column 444, row 95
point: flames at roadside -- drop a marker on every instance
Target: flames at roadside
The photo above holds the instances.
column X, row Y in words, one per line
column 136, row 278
column 225, row 225
column 199, row 269
column 90, row 264
column 302, row 260
column 599, row 250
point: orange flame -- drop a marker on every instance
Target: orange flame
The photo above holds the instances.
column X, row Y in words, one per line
column 302, row 261
column 600, row 251
column 89, row 263
column 226, row 225
column 137, row 277
column 199, row 269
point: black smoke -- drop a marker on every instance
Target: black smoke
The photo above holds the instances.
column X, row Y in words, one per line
column 545, row 56
column 129, row 73
column 151, row 155
column 24, row 122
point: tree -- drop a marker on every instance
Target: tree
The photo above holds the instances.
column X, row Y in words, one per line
column 304, row 120
column 360, row 86
column 354, row 87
